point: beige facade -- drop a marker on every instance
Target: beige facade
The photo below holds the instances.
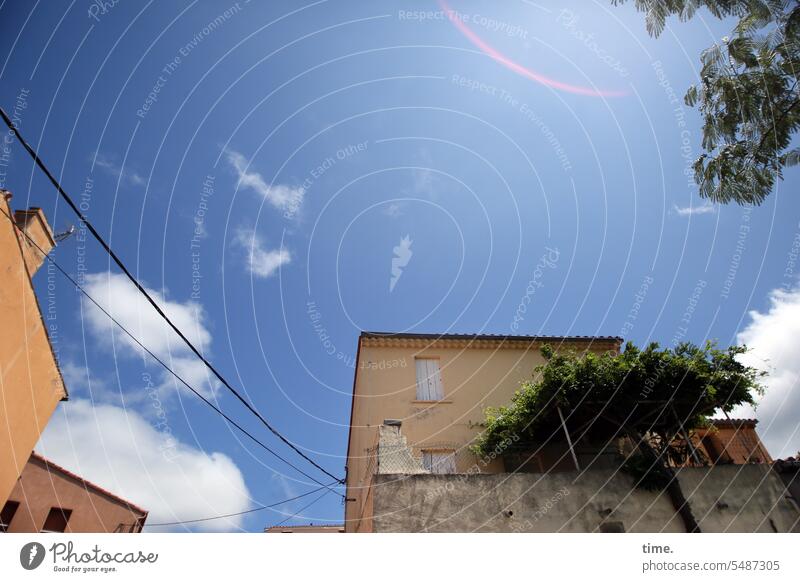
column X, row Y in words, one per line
column 30, row 382
column 474, row 372
column 48, row 497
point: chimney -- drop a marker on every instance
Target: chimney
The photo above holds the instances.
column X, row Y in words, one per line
column 34, row 224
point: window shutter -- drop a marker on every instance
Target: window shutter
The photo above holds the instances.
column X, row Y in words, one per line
column 435, row 380
column 448, row 463
column 422, row 379
column 427, row 461
column 439, row 462
column 429, row 379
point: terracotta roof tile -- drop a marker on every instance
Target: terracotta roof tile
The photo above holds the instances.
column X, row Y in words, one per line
column 473, row 336
column 733, row 422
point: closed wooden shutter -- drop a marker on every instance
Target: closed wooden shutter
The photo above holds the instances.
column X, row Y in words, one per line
column 441, row 462
column 429, row 379
column 422, row 380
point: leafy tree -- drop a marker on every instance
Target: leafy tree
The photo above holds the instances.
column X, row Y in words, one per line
column 748, row 94
column 654, row 397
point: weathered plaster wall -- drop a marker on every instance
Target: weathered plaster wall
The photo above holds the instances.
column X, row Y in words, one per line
column 745, row 498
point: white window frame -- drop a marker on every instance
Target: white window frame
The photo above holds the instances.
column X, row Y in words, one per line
column 439, row 461
column 429, row 380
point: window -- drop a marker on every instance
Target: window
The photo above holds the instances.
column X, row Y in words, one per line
column 56, row 521
column 7, row 515
column 441, row 462
column 429, row 379
column 715, row 450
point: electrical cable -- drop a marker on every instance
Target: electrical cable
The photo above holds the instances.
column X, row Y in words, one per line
column 260, row 508
column 302, row 509
column 12, row 127
column 159, row 360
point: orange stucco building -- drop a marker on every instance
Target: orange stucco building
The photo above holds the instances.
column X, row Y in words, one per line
column 434, row 389
column 732, row 442
column 31, row 385
column 49, row 498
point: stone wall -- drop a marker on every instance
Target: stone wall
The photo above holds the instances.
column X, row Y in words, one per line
column 730, row 498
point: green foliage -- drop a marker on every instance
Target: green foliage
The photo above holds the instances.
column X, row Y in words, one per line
column 748, row 94
column 654, row 391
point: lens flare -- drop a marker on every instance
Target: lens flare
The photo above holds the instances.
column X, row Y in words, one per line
column 516, row 67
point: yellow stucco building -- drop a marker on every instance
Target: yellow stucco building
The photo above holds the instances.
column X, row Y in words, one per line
column 30, row 382
column 437, row 386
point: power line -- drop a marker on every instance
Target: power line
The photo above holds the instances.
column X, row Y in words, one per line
column 302, row 509
column 144, row 292
column 157, row 359
column 260, row 508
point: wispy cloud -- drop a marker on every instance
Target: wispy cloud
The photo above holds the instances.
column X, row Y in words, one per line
column 706, row 208
column 111, row 167
column 281, row 196
column 261, row 262
column 426, row 181
column 402, row 255
column 393, row 210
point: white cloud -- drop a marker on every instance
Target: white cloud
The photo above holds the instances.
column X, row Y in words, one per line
column 393, row 210
column 772, row 339
column 80, row 382
column 124, row 303
column 120, row 451
column 110, row 166
column 261, row 262
column 281, row 196
column 706, row 208
column 424, row 182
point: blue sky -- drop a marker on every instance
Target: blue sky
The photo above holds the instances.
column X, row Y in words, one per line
column 258, row 164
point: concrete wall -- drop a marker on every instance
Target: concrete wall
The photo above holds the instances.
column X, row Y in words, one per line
column 789, row 471
column 43, row 486
column 30, row 382
column 475, row 374
column 745, row 498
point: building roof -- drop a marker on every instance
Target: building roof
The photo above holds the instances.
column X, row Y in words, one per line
column 733, row 422
column 53, row 467
column 491, row 337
